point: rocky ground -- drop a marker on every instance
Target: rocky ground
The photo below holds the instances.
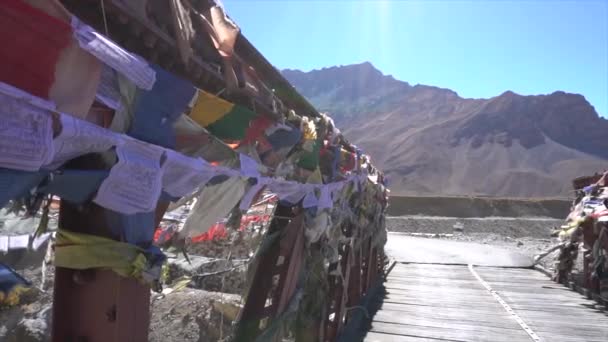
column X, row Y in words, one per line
column 200, row 301
column 193, row 315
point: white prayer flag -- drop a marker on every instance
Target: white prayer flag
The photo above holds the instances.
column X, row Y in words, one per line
column 182, row 175
column 134, row 183
column 26, row 130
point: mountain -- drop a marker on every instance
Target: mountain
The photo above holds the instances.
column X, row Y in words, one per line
column 430, row 141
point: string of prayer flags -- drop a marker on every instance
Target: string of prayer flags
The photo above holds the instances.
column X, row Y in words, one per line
column 156, row 110
column 223, row 119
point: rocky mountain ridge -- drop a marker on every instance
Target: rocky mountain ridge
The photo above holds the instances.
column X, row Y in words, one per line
column 431, row 141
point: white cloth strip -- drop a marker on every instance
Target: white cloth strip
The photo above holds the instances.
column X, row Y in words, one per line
column 79, row 137
column 16, row 93
column 3, row 244
column 108, row 91
column 129, row 64
column 18, row 242
column 12, row 242
column 40, row 240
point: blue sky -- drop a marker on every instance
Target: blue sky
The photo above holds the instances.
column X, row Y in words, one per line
column 476, row 48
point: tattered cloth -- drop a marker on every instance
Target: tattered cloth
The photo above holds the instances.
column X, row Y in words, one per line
column 223, row 119
column 83, row 251
column 40, row 56
column 12, row 285
column 33, row 42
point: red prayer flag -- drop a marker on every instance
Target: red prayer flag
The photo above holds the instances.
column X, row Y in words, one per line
column 41, row 56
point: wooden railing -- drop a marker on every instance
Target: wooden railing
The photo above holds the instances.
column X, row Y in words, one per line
column 279, row 271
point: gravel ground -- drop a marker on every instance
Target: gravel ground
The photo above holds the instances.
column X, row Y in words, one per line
column 193, row 315
column 535, row 227
column 530, row 235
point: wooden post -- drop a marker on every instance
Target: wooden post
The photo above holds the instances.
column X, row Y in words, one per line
column 292, row 249
column 382, row 262
column 355, row 292
column 309, row 325
column 367, row 250
column 603, row 283
column 96, row 305
column 364, row 266
column 374, row 266
column 276, row 276
column 589, row 282
column 338, row 292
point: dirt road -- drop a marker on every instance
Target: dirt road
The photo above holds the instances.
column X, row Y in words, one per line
column 436, row 251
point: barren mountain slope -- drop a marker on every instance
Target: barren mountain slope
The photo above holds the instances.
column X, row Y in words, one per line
column 430, row 141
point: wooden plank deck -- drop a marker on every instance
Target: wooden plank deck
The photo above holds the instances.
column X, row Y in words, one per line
column 448, row 303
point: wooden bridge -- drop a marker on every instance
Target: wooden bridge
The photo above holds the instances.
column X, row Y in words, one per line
column 433, row 302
